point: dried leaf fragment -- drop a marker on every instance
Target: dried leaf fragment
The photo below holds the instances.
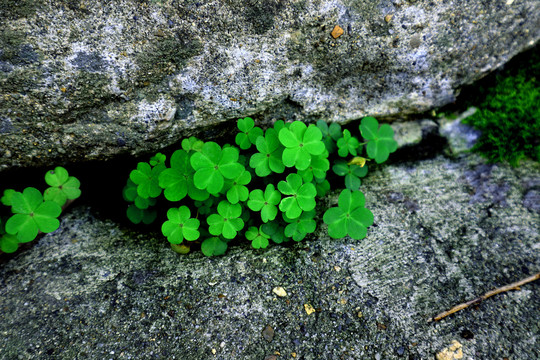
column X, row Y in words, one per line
column 309, row 309
column 279, row 291
column 337, row 32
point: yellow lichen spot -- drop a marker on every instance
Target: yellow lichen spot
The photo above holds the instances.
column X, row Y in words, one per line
column 453, row 352
column 309, row 309
column 293, row 354
column 337, row 32
column 63, row 89
column 388, row 17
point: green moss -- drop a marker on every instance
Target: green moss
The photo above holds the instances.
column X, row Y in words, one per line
column 509, row 114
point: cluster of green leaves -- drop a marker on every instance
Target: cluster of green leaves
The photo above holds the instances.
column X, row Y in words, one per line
column 34, row 212
column 508, row 114
column 219, row 194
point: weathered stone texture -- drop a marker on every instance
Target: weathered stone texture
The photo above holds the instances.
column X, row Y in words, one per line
column 85, row 79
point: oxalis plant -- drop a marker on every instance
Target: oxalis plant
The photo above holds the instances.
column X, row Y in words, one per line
column 34, row 212
column 263, row 188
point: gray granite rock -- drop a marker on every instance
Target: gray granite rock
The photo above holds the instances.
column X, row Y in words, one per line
column 83, row 80
column 447, row 229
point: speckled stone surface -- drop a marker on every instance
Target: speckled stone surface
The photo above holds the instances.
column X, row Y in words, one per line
column 92, row 79
column 447, row 229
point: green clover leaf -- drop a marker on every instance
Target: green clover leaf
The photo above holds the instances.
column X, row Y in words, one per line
column 192, row 144
column 268, row 158
column 159, row 158
column 258, row 238
column 352, row 173
column 349, row 217
column 237, row 191
column 249, row 133
column 213, row 246
column 300, row 143
column 276, row 232
column 302, row 196
column 137, row 215
column 301, row 226
column 213, row 165
column 130, row 194
column 8, row 243
column 147, row 179
column 322, row 186
column 265, row 203
column 32, row 215
column 177, row 181
column 317, row 168
column 381, row 140
column 6, row 198
column 205, row 207
column 62, row 186
column 227, row 221
column 331, row 134
column 180, row 225
column 347, row 144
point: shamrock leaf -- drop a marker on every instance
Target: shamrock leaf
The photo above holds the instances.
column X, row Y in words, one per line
column 350, row 217
column 331, row 134
column 205, row 207
column 62, row 186
column 381, row 140
column 237, row 191
column 227, row 221
column 300, row 143
column 322, row 186
column 302, row 196
column 213, row 246
column 137, row 215
column 347, row 144
column 159, row 158
column 213, row 165
column 258, row 238
column 318, row 168
column 8, row 243
column 192, row 144
column 6, row 198
column 249, row 133
column 276, row 232
column 177, row 181
column 147, row 179
column 268, row 158
column 352, row 174
column 301, row 226
column 32, row 215
column 265, row 203
column 180, row 225
column 130, row 194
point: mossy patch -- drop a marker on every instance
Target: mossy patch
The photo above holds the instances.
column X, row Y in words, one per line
column 15, row 9
column 509, row 114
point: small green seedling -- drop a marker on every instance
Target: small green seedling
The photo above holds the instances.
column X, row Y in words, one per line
column 249, row 133
column 180, row 225
column 300, row 143
column 302, row 196
column 227, row 221
column 265, row 202
column 258, row 238
column 350, row 217
column 146, row 177
column 32, row 215
column 62, row 186
column 268, row 159
column 213, row 165
column 347, row 144
column 352, row 173
column 381, row 139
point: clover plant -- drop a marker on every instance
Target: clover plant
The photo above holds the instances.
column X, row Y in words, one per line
column 34, row 212
column 223, row 193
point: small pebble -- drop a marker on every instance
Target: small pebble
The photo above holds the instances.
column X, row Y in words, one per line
column 337, row 32
column 268, row 333
column 279, row 291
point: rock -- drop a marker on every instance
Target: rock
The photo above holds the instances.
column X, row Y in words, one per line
column 130, row 77
column 268, row 333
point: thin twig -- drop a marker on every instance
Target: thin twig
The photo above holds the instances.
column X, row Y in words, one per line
column 513, row 286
